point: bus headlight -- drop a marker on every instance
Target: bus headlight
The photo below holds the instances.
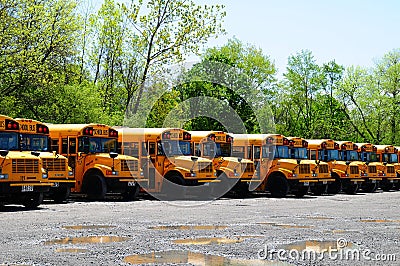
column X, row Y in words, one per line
column 108, row 172
column 141, row 173
column 70, row 173
column 44, row 176
column 3, row 176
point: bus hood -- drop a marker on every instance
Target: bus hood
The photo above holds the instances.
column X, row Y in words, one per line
column 19, row 155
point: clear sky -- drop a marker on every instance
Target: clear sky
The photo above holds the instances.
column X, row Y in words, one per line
column 352, row 32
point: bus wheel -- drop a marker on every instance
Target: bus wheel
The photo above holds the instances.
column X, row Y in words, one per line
column 278, row 186
column 351, row 189
column 370, row 187
column 386, row 185
column 131, row 193
column 96, row 187
column 32, row 200
column 61, row 194
column 335, row 187
column 173, row 186
column 397, row 186
column 319, row 189
column 301, row 192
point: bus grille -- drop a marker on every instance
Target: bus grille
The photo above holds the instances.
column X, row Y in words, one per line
column 129, row 165
column 323, row 169
column 54, row 164
column 354, row 170
column 304, row 169
column 248, row 167
column 390, row 169
column 372, row 169
column 205, row 168
column 25, row 166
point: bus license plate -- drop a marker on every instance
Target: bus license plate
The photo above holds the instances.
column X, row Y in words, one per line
column 131, row 184
column 324, row 182
column 56, row 184
column 373, row 181
column 306, row 183
column 27, row 189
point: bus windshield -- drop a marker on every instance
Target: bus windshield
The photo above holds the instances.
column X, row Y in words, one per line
column 369, row 156
column 176, row 148
column 389, row 158
column 32, row 142
column 349, row 155
column 212, row 149
column 97, row 145
column 328, row 155
column 281, row 152
column 299, row 153
column 9, row 141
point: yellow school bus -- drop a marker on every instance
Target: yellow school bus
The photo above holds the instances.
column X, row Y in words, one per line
column 167, row 159
column 22, row 177
column 397, row 168
column 387, row 155
column 236, row 172
column 283, row 168
column 98, row 169
column 375, row 169
column 35, row 137
column 345, row 172
column 298, row 150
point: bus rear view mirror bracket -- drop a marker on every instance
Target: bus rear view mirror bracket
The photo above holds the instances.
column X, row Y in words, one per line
column 3, row 153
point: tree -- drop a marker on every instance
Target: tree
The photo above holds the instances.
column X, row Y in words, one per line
column 304, row 79
column 238, row 77
column 167, row 31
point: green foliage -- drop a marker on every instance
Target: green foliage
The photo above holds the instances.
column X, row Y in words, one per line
column 238, row 76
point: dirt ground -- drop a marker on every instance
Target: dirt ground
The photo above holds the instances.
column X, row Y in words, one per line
column 227, row 231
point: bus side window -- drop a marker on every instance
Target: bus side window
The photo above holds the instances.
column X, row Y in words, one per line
column 152, row 148
column 160, row 150
column 238, row 151
column 64, row 146
column 313, row 154
column 54, row 145
column 144, row 149
column 249, row 152
column 197, row 151
column 257, row 151
column 72, row 145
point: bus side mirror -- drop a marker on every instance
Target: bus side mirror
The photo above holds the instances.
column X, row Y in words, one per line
column 385, row 163
column 35, row 153
column 239, row 159
column 3, row 153
column 113, row 155
column 298, row 161
column 347, row 162
column 194, row 158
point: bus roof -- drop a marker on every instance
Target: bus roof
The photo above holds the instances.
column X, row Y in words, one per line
column 255, row 139
column 199, row 135
column 140, row 133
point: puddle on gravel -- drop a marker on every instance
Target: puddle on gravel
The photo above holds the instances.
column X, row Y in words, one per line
column 211, row 240
column 189, row 227
column 87, row 227
column 71, row 250
column 188, row 257
column 87, row 240
column 379, row 221
column 286, row 225
column 319, row 218
column 338, row 231
column 317, row 246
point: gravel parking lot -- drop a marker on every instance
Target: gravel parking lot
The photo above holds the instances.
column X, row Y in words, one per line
column 227, row 231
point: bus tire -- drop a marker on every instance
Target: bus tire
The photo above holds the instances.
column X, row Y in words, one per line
column 319, row 189
column 131, row 193
column 32, row 200
column 173, row 186
column 61, row 194
column 386, row 185
column 351, row 189
column 95, row 187
column 397, row 186
column 278, row 186
column 370, row 187
column 336, row 186
column 301, row 192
